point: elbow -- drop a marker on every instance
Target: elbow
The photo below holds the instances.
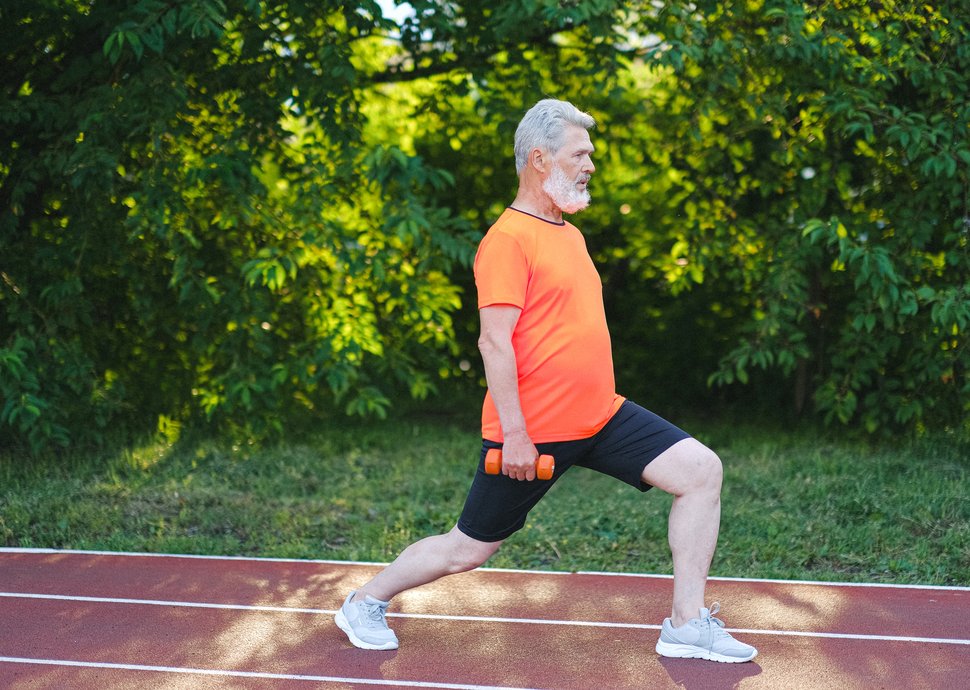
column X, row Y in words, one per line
column 489, row 345
column 485, row 345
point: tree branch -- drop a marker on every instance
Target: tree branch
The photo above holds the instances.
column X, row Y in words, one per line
column 472, row 59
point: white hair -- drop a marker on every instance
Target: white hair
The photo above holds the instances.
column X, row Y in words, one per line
column 544, row 127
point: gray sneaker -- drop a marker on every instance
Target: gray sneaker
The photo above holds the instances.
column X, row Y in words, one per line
column 364, row 623
column 703, row 638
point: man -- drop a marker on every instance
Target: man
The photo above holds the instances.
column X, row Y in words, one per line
column 548, row 365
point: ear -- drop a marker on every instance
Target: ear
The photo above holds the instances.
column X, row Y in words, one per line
column 536, row 160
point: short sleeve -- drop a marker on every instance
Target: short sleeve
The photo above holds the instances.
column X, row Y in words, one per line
column 501, row 271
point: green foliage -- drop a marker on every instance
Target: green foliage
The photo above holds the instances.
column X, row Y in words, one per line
column 192, row 225
column 822, row 163
column 240, row 212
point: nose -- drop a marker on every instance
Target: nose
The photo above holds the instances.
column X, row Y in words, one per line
column 588, row 166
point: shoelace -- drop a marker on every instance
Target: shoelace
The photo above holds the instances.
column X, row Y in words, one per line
column 717, row 629
column 374, row 613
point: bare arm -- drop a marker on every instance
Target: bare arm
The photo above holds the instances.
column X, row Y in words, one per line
column 495, row 343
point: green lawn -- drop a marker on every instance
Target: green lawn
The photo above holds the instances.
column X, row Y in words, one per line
column 796, row 504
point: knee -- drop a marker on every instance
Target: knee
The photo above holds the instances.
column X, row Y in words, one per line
column 468, row 554
column 709, row 470
column 688, row 467
column 703, row 470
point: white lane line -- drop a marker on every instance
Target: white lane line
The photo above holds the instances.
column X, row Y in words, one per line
column 163, row 602
column 131, row 554
column 474, row 619
column 250, row 674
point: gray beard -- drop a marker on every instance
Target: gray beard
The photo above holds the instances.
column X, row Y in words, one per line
column 563, row 192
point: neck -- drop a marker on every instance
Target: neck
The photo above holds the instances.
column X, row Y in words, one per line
column 537, row 203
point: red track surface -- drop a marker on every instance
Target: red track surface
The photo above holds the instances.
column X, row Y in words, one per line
column 83, row 620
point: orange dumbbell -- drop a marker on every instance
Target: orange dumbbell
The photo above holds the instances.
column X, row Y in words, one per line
column 545, row 464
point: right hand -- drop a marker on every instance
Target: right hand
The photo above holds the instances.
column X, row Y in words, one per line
column 519, row 456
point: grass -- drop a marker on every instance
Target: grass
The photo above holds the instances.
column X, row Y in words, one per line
column 795, row 505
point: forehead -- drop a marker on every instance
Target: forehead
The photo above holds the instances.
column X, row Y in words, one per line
column 576, row 139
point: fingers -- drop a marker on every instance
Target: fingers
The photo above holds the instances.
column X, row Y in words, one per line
column 519, row 458
column 527, row 473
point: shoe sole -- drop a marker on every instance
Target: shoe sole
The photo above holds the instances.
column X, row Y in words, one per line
column 686, row 651
column 344, row 625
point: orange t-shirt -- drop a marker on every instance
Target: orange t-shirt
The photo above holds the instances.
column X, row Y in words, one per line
column 561, row 342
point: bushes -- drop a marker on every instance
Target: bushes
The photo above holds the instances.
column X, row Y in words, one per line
column 193, row 226
column 238, row 212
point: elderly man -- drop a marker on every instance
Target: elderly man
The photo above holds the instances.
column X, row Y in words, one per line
column 548, row 363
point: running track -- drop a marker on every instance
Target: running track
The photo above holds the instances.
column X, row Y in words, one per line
column 91, row 620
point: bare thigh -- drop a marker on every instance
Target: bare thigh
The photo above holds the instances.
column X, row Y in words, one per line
column 685, row 466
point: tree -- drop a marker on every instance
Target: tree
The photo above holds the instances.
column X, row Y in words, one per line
column 822, row 157
column 752, row 162
column 193, row 224
column 242, row 211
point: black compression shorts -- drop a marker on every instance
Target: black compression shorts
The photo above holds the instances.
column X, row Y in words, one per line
column 497, row 506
